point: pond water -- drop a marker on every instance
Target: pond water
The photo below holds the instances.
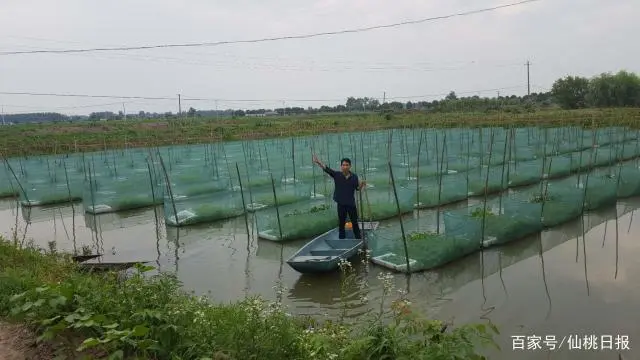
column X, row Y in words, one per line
column 572, row 280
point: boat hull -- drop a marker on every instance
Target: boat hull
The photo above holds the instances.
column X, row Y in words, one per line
column 324, row 253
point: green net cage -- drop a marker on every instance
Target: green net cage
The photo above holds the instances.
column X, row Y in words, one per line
column 49, row 213
column 135, row 191
column 8, row 185
column 296, row 221
column 487, row 180
column 183, row 211
column 259, row 198
column 379, row 203
column 495, row 222
column 628, row 179
column 125, row 219
column 426, row 248
column 441, row 190
column 524, row 173
column 43, row 192
column 49, row 181
column 552, row 202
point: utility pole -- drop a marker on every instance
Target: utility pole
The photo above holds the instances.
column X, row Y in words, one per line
column 2, row 115
column 528, row 64
column 124, row 111
column 179, row 106
column 384, row 97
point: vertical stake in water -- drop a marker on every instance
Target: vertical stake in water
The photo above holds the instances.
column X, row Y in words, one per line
column 444, row 146
column 248, row 176
column 214, row 155
column 364, row 174
column 481, row 147
column 226, row 159
column 313, row 176
column 504, row 161
column 73, row 208
column 168, row 182
column 486, row 192
column 418, row 205
column 580, row 165
column 275, row 200
column 244, row 205
column 469, row 134
column 404, row 237
column 293, row 158
column 586, row 181
column 115, row 168
column 93, row 196
column 153, row 190
column 618, row 180
column 24, row 193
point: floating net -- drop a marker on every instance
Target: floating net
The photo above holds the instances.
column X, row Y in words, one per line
column 553, row 203
column 124, row 193
column 8, row 185
column 126, row 219
column 494, row 222
column 441, row 190
column 426, row 248
column 430, row 167
column 49, row 181
column 182, row 211
column 628, row 179
column 296, row 221
column 487, row 180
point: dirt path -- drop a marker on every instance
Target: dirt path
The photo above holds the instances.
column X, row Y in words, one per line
column 19, row 343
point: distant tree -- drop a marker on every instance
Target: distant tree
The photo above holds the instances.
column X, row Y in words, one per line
column 452, row 96
column 191, row 112
column 571, row 92
column 620, row 90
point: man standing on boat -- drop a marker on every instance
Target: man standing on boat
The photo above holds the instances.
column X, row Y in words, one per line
column 346, row 184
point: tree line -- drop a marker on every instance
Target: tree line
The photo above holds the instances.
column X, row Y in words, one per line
column 572, row 92
column 605, row 90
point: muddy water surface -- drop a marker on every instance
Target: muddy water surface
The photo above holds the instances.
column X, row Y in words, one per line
column 575, row 280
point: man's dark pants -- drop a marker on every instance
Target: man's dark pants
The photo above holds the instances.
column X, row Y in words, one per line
column 352, row 211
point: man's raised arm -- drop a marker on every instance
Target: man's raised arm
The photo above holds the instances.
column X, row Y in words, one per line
column 324, row 167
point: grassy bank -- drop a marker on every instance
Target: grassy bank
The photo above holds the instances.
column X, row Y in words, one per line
column 59, row 138
column 106, row 315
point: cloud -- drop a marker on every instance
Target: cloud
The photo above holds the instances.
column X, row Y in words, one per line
column 480, row 51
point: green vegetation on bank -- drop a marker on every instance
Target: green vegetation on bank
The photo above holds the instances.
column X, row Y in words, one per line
column 61, row 138
column 149, row 317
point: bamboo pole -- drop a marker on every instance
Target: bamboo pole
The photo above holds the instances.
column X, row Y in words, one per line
column 404, row 237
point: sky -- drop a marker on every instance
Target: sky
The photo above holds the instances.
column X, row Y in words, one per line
column 480, row 54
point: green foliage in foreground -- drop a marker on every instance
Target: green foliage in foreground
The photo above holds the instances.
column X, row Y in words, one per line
column 150, row 317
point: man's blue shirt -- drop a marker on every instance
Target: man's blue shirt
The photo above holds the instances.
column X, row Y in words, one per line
column 345, row 187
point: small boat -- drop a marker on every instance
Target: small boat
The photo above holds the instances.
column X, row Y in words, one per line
column 109, row 266
column 323, row 253
column 83, row 258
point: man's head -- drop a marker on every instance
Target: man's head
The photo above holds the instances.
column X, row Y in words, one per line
column 345, row 165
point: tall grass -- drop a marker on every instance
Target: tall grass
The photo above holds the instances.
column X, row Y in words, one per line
column 149, row 316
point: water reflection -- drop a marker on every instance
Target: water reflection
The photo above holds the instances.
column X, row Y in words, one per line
column 532, row 281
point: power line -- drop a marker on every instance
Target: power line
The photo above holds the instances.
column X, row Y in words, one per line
column 528, row 78
column 457, row 92
column 85, row 95
column 291, row 37
column 185, row 98
column 216, row 100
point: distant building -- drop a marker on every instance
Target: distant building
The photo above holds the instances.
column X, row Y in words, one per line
column 271, row 113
